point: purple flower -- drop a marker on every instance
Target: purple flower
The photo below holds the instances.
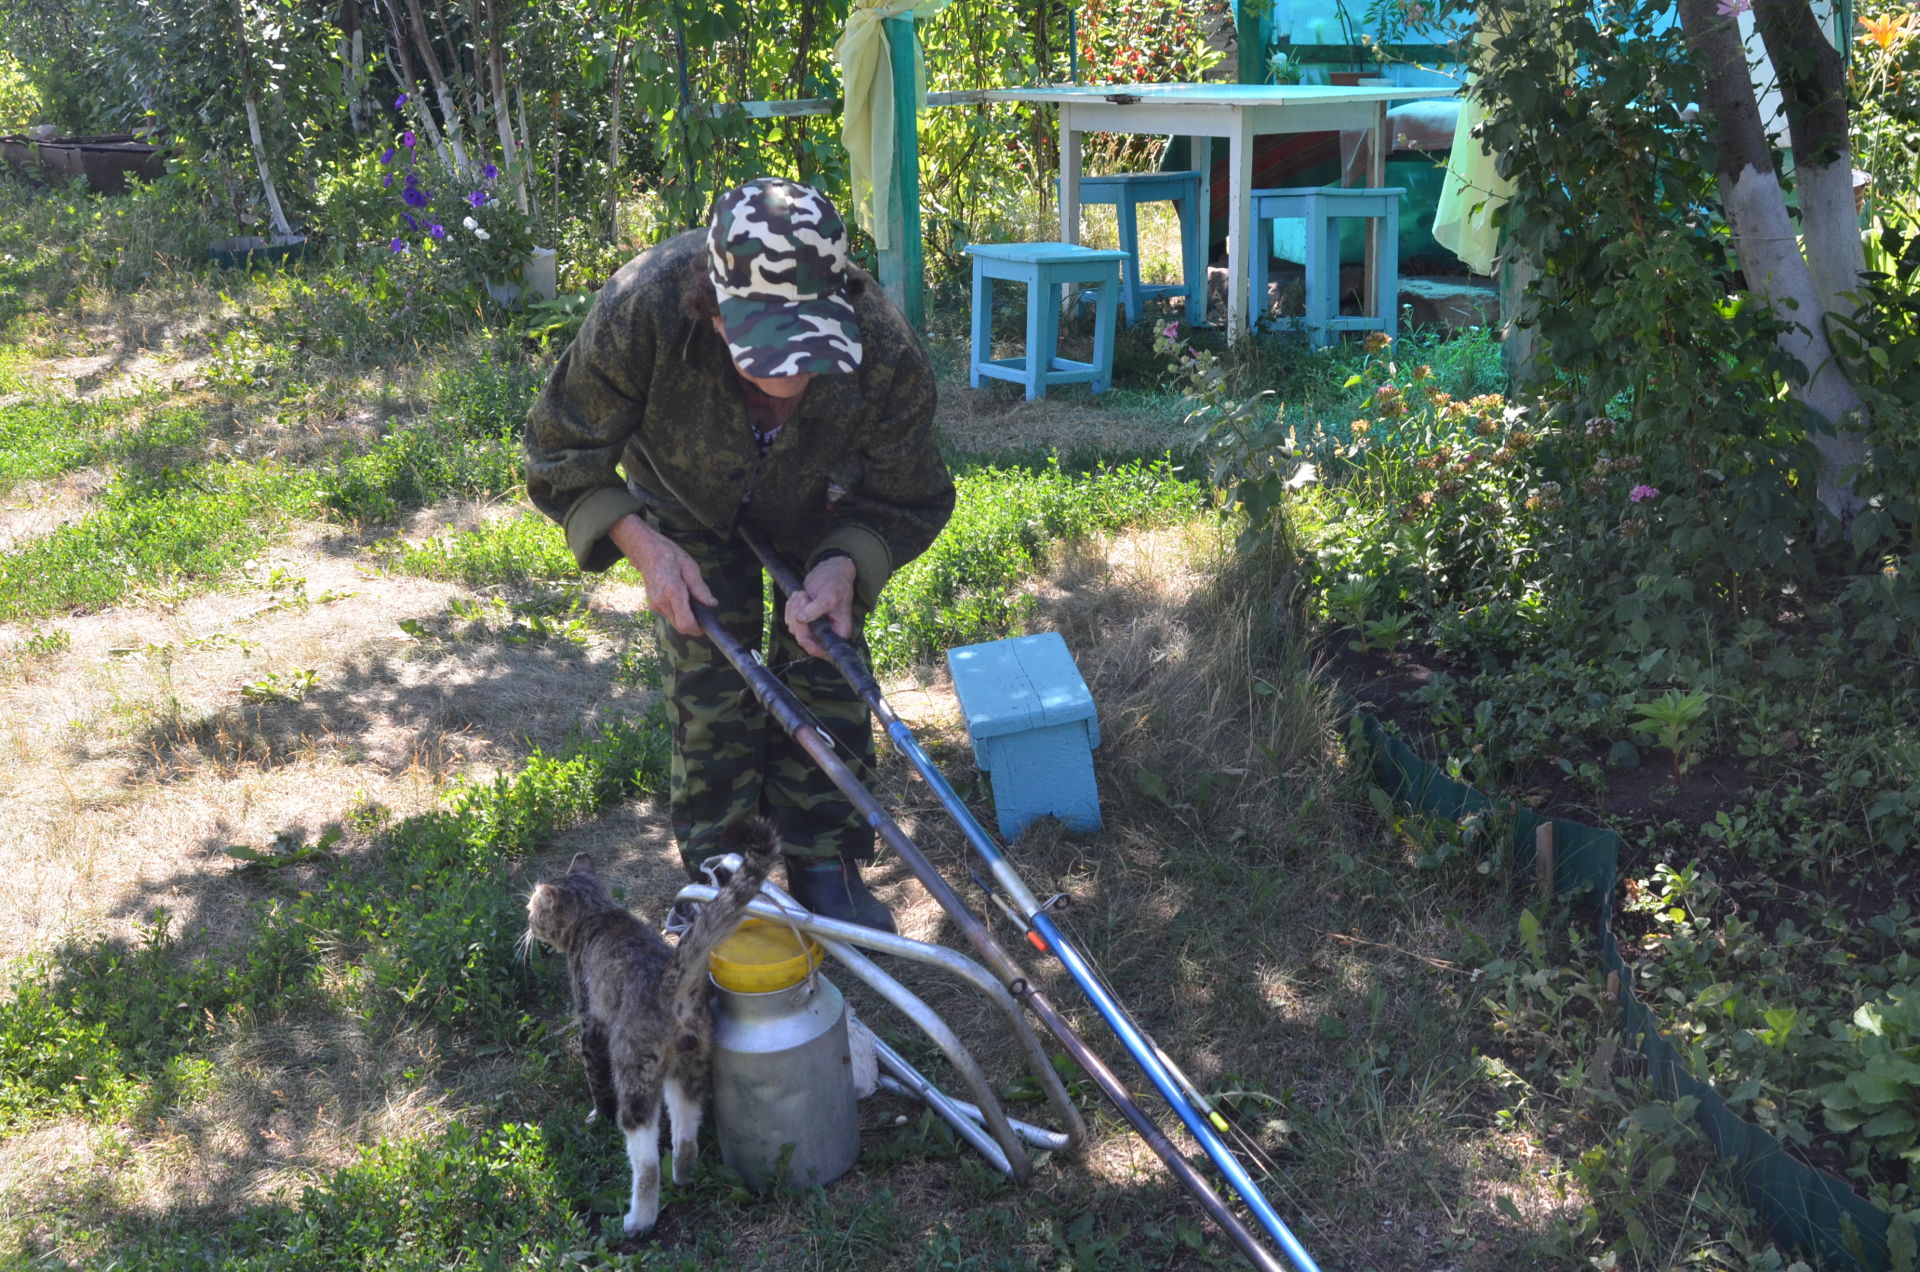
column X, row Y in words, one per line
column 400, row 101
column 1170, row 331
column 388, row 157
column 489, row 172
column 408, row 218
column 415, row 197
column 387, row 180
column 406, row 139
column 398, row 245
column 1639, row 493
column 413, row 179
column 437, row 231
column 477, row 199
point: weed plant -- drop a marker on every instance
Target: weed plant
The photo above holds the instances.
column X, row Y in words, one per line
column 46, row 437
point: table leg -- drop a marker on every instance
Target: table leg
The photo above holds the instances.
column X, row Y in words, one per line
column 1200, row 151
column 1069, row 178
column 1239, row 220
column 1377, row 178
column 1069, row 194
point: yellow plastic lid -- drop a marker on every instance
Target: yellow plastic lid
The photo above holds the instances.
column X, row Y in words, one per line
column 762, row 957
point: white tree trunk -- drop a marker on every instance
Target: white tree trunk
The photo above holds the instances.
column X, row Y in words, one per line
column 278, row 217
column 1801, row 285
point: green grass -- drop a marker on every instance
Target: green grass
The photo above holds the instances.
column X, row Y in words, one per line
column 44, row 437
column 158, row 535
column 467, row 445
column 527, row 548
column 1006, row 526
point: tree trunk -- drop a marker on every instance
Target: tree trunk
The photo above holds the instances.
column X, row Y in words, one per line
column 613, row 141
column 1764, row 237
column 496, row 72
column 411, row 85
column 449, row 110
column 248, row 94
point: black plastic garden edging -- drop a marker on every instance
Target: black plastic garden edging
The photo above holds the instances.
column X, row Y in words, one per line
column 1808, row 1209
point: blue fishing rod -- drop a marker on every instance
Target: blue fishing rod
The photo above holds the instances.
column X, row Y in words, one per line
column 1180, row 1094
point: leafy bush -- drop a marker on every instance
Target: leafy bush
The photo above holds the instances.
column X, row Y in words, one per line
column 1878, row 1091
column 19, row 101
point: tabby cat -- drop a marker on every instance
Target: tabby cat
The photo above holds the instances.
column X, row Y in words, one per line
column 645, row 1031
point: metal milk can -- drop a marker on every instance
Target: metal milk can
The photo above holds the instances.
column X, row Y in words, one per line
column 782, row 1071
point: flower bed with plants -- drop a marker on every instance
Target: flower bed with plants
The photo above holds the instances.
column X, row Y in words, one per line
column 1522, row 588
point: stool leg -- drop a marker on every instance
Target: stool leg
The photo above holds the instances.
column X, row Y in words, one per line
column 1103, row 322
column 982, row 321
column 1323, row 275
column 1043, row 333
column 1388, row 284
column 1130, row 244
column 1259, row 276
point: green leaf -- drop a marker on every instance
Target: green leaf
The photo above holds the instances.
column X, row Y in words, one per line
column 1894, row 1123
column 1877, row 1088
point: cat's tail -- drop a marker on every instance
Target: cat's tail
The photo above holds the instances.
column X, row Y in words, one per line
column 755, row 839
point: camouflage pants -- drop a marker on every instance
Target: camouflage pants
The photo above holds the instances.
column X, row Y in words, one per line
column 730, row 757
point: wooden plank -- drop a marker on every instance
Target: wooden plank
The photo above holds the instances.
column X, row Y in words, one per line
column 800, row 106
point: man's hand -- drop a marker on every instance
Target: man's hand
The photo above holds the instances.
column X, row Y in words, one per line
column 673, row 580
column 827, row 592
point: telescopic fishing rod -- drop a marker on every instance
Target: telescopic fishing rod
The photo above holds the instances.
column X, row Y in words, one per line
column 819, row 746
column 1194, row 1110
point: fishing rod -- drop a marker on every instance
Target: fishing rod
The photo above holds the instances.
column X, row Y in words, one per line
column 1197, row 1113
column 819, row 746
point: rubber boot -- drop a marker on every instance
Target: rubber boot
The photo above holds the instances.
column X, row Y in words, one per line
column 833, row 889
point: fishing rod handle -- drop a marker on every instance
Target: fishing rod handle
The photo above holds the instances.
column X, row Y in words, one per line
column 840, row 650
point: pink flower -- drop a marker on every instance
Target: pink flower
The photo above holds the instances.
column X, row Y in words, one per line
column 1171, row 330
column 1639, row 493
column 1732, row 8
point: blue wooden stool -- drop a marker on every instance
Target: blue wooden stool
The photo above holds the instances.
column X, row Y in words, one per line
column 1322, row 209
column 1033, row 728
column 1044, row 268
column 1126, row 191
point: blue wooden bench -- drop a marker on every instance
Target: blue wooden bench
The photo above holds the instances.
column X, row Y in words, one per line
column 1323, row 209
column 1033, row 728
column 1045, row 268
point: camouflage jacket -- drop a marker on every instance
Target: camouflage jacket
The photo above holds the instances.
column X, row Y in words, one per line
column 648, row 392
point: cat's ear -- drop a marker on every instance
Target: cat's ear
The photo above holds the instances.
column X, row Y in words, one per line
column 582, row 864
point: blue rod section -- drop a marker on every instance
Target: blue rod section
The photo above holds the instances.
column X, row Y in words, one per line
column 1103, row 1002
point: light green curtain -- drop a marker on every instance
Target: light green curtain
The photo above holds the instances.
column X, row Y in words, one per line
column 866, row 122
column 1473, row 189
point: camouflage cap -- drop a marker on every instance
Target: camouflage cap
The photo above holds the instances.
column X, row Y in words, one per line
column 777, row 252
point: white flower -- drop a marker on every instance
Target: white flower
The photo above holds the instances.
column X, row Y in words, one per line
column 481, row 234
column 471, row 224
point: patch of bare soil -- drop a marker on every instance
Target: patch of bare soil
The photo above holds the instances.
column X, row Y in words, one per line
column 1645, row 795
column 128, row 368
